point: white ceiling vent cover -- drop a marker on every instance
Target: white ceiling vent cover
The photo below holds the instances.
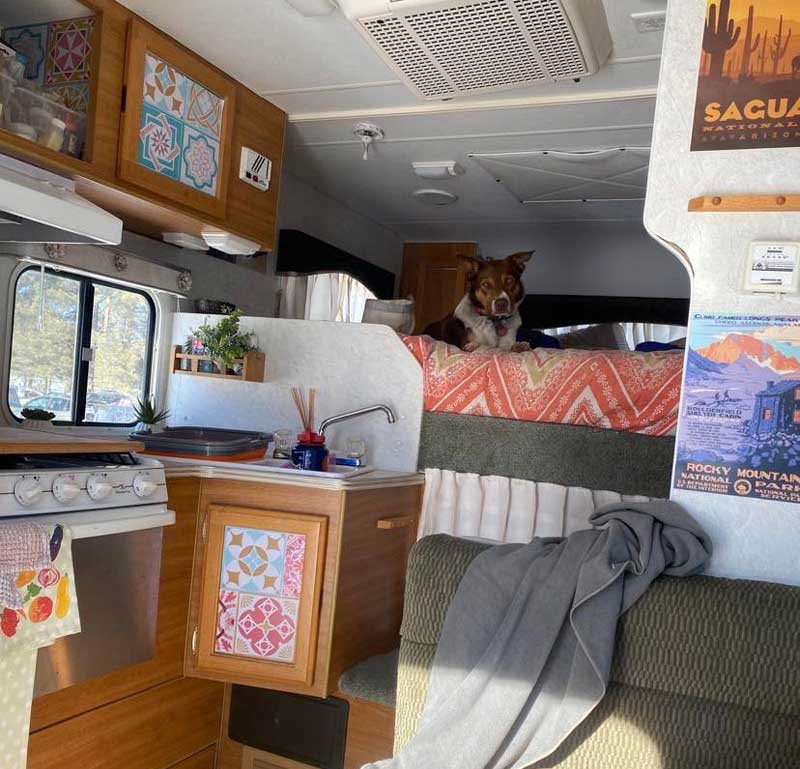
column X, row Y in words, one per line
column 444, row 49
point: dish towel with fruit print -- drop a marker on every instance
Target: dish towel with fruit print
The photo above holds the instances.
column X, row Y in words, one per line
column 38, row 605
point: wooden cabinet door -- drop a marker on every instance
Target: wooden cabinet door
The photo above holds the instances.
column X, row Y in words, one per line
column 259, row 596
column 62, row 44
column 177, row 124
column 435, row 276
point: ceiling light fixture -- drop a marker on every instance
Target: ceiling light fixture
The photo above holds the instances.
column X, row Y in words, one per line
column 368, row 133
column 313, row 7
column 435, row 198
column 437, row 169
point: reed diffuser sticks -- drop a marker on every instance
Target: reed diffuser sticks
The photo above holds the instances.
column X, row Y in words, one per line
column 306, row 412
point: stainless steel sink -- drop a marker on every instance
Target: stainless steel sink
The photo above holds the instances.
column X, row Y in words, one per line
column 284, row 466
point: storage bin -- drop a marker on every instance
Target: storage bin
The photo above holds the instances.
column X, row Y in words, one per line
column 35, row 109
column 27, row 106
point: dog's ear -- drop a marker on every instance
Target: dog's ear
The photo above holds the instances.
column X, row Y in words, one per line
column 520, row 259
column 472, row 264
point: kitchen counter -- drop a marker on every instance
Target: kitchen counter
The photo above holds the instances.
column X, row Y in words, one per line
column 243, row 471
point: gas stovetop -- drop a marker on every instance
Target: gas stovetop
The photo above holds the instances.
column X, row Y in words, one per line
column 10, row 463
column 48, row 483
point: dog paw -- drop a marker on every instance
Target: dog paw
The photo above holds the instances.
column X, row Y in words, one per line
column 470, row 347
column 521, row 347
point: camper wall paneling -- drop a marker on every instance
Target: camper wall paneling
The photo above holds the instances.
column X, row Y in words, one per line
column 435, row 276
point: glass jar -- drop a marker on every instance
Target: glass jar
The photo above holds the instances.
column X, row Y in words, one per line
column 53, row 137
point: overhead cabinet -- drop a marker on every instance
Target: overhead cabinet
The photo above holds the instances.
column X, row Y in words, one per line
column 146, row 128
column 177, row 123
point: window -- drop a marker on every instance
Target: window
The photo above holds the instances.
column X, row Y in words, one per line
column 766, row 414
column 83, row 350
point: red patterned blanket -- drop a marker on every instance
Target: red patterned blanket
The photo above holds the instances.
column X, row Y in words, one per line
column 617, row 390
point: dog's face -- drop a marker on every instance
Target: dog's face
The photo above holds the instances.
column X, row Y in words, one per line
column 496, row 286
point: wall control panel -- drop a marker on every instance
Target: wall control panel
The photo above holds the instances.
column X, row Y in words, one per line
column 772, row 268
column 255, row 169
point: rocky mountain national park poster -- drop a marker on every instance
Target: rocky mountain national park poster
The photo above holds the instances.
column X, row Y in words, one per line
column 748, row 92
column 739, row 432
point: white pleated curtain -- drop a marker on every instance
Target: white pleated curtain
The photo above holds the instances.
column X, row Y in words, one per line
column 506, row 509
column 327, row 296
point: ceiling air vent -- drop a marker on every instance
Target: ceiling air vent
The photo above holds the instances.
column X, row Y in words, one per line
column 445, row 49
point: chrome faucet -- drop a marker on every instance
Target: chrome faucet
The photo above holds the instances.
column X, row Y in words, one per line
column 326, row 423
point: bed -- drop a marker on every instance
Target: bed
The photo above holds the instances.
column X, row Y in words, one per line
column 516, row 445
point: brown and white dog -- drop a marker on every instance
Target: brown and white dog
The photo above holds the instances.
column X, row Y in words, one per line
column 488, row 315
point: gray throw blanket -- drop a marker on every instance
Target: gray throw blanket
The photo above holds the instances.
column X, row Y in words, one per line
column 527, row 644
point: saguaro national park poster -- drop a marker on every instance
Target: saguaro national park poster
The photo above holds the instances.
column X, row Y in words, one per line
column 748, row 93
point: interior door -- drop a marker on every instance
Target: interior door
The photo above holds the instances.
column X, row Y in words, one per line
column 259, row 596
column 177, row 123
column 435, row 276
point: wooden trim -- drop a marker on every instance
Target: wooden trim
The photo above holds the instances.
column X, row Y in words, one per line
column 745, row 204
column 233, row 668
column 396, row 522
column 143, row 38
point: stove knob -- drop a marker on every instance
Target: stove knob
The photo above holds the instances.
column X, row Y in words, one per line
column 27, row 491
column 143, row 486
column 65, row 488
column 98, row 487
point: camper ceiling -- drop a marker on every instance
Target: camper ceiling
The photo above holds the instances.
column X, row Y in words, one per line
column 328, row 79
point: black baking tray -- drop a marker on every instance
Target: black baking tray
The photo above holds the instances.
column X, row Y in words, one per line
column 203, row 441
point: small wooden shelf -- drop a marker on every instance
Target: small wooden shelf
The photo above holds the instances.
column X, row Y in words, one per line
column 253, row 366
column 745, row 204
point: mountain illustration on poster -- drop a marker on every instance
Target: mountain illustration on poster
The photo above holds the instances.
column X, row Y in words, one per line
column 740, row 423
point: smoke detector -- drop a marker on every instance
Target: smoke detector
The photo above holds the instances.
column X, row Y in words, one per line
column 368, row 133
column 649, row 21
column 435, row 198
column 437, row 169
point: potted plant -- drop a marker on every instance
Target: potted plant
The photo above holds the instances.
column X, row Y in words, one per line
column 148, row 417
column 37, row 419
column 224, row 343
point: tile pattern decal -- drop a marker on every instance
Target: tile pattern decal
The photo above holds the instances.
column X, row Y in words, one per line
column 200, row 160
column 58, row 57
column 164, row 86
column 160, row 138
column 261, row 581
column 204, row 110
column 68, row 48
column 31, row 42
column 181, row 100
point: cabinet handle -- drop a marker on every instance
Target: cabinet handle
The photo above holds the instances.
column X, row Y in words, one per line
column 204, row 530
column 398, row 522
column 194, row 641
